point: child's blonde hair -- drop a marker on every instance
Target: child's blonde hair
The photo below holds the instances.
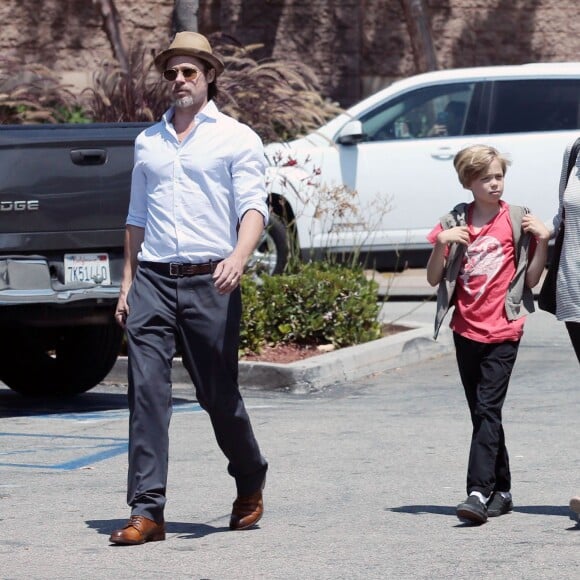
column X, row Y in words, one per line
column 473, row 161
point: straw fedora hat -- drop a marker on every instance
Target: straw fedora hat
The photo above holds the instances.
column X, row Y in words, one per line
column 190, row 44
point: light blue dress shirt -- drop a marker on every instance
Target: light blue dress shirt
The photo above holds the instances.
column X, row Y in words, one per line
column 190, row 196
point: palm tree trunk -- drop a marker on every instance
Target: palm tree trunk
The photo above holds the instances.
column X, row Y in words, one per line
column 111, row 24
column 420, row 34
column 185, row 15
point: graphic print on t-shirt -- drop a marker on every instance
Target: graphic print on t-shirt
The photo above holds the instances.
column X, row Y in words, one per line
column 483, row 260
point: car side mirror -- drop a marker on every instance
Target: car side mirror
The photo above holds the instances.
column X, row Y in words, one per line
column 351, row 133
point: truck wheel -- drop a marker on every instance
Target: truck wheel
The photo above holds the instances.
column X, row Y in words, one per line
column 59, row 362
column 271, row 254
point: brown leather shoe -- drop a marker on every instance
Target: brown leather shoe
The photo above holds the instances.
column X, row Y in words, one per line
column 247, row 511
column 139, row 530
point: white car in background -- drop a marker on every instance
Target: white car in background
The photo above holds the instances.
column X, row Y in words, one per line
column 377, row 178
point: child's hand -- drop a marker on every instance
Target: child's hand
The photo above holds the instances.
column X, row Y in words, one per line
column 459, row 234
column 536, row 227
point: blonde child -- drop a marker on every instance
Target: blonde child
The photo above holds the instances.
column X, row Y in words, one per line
column 486, row 257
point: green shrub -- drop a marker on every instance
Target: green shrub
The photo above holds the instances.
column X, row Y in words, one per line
column 319, row 303
column 253, row 327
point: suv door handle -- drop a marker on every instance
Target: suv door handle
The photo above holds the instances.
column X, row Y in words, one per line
column 88, row 156
column 443, row 154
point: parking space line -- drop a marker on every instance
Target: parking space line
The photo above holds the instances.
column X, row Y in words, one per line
column 94, row 449
column 74, row 451
column 110, row 414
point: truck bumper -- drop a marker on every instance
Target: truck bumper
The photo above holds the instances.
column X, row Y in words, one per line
column 29, row 281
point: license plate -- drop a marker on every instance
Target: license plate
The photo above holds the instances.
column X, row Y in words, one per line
column 88, row 268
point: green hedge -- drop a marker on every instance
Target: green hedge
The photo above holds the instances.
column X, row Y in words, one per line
column 319, row 303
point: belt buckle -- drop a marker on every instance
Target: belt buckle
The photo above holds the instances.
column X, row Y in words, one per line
column 174, row 269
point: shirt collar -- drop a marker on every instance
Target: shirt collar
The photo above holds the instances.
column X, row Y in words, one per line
column 208, row 113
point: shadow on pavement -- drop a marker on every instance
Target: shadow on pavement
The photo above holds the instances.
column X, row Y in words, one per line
column 539, row 510
column 13, row 404
column 543, row 510
column 441, row 510
column 190, row 530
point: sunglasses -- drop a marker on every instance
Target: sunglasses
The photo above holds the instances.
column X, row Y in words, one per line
column 189, row 74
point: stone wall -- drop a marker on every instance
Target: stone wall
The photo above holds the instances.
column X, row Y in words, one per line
column 359, row 46
column 356, row 46
column 68, row 35
column 324, row 33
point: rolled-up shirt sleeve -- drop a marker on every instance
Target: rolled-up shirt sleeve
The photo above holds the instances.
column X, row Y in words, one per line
column 137, row 214
column 248, row 175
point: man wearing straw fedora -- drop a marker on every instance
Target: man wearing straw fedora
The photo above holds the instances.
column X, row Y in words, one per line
column 197, row 210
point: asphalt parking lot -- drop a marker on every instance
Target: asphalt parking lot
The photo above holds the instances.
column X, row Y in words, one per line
column 364, row 480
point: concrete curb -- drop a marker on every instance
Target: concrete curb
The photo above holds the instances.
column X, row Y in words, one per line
column 316, row 373
column 347, row 364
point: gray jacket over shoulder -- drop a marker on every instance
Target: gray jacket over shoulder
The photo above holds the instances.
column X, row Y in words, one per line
column 519, row 299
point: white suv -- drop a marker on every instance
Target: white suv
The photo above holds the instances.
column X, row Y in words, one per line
column 396, row 148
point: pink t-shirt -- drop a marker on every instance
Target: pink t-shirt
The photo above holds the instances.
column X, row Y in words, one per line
column 482, row 285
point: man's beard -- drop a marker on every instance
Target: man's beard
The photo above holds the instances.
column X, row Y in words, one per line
column 183, row 102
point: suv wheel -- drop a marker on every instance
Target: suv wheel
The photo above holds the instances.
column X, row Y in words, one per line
column 271, row 254
column 59, row 362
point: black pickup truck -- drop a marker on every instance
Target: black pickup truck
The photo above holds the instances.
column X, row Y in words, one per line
column 64, row 193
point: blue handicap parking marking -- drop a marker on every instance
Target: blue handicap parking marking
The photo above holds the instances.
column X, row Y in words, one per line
column 113, row 414
column 68, row 452
column 79, row 451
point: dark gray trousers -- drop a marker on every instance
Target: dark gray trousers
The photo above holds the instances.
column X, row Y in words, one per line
column 188, row 312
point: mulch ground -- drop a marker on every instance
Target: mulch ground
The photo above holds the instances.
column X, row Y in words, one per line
column 287, row 353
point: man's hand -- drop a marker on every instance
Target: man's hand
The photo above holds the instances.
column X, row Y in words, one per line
column 122, row 310
column 228, row 274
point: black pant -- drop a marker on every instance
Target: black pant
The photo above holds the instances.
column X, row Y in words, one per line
column 485, row 371
column 189, row 312
column 573, row 329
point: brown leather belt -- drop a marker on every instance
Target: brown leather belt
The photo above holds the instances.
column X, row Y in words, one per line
column 179, row 269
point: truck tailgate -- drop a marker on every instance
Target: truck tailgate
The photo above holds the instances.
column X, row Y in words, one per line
column 72, row 180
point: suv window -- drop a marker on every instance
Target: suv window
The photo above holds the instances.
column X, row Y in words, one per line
column 535, row 105
column 422, row 113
